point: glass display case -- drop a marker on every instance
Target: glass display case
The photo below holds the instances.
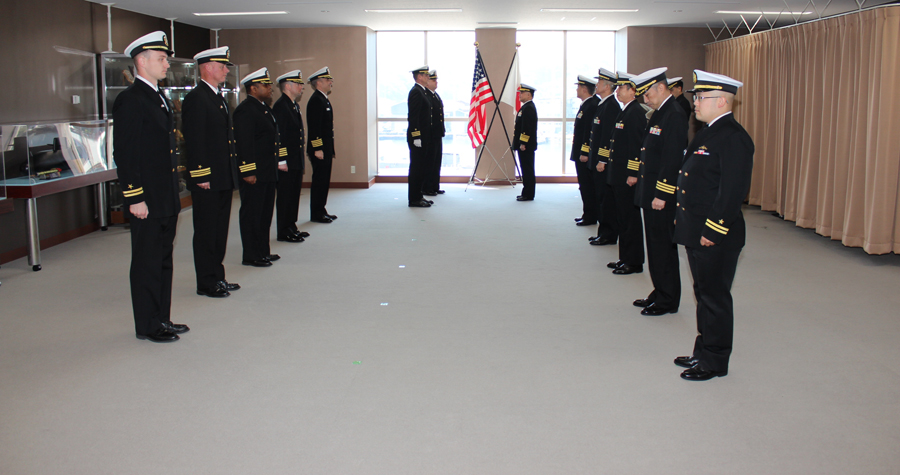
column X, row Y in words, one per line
column 117, row 73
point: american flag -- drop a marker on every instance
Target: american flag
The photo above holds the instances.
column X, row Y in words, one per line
column 481, row 95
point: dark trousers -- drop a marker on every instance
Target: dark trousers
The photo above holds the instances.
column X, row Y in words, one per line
column 418, row 167
column 287, row 202
column 526, row 162
column 432, row 181
column 152, row 240
column 713, row 271
column 318, row 190
column 586, row 187
column 608, row 227
column 257, row 205
column 631, row 229
column 662, row 256
column 212, row 214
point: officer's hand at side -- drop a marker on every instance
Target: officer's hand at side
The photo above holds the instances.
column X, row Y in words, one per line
column 205, row 186
column 417, row 143
column 658, row 204
column 632, row 180
column 706, row 242
column 283, row 167
column 583, row 158
column 250, row 179
column 522, row 148
column 601, row 166
column 139, row 210
column 320, row 154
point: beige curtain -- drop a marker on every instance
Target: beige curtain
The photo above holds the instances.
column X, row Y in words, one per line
column 822, row 103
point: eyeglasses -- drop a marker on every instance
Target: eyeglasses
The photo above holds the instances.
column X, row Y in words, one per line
column 700, row 98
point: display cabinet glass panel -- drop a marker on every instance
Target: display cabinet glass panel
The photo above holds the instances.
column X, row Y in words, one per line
column 37, row 153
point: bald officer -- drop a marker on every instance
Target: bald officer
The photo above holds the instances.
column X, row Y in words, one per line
column 713, row 182
column 144, row 152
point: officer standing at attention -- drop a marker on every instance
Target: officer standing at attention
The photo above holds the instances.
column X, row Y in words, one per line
column 144, row 152
column 601, row 132
column 676, row 87
column 212, row 162
column 712, row 184
column 418, row 137
column 259, row 150
column 624, row 162
column 525, row 140
column 290, row 126
column 432, row 184
column 581, row 149
column 661, row 156
column 320, row 144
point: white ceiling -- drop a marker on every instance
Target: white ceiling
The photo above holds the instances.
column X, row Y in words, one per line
column 526, row 13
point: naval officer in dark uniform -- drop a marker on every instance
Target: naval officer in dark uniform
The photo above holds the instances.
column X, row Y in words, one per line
column 676, row 87
column 290, row 127
column 144, row 152
column 712, row 184
column 418, row 137
column 525, row 140
column 581, row 148
column 622, row 173
column 432, row 183
column 212, row 163
column 320, row 144
column 661, row 156
column 601, row 132
column 258, row 150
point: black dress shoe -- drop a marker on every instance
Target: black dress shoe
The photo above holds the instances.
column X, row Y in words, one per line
column 654, row 310
column 686, row 361
column 272, row 257
column 290, row 238
column 321, row 219
column 642, row 303
column 176, row 328
column 626, row 269
column 440, row 192
column 615, row 264
column 429, row 193
column 333, row 217
column 159, row 336
column 699, row 373
column 302, row 234
column 522, row 198
column 601, row 242
column 419, row 204
column 428, row 201
column 578, row 220
column 218, row 292
column 586, row 223
column 257, row 263
column 229, row 286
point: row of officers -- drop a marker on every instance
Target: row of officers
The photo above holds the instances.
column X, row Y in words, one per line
column 256, row 149
column 637, row 180
column 425, row 137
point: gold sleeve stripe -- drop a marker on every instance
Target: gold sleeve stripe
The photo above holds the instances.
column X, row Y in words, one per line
column 132, row 193
column 716, row 227
column 248, row 167
column 585, row 148
column 316, row 143
column 603, row 152
column 634, row 165
column 416, row 133
column 524, row 138
column 200, row 172
column 282, row 152
column 665, row 187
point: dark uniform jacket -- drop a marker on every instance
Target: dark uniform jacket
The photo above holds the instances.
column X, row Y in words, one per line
column 437, row 116
column 713, row 182
column 685, row 104
column 602, row 128
column 525, row 132
column 258, row 145
column 661, row 155
column 581, row 135
column 209, row 140
column 625, row 144
column 320, row 125
column 144, row 150
column 418, row 117
column 290, row 126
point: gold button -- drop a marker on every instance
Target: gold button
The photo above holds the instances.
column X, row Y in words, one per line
column 682, row 192
column 677, row 204
column 685, row 174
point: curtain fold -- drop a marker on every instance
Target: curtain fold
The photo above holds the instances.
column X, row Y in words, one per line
column 822, row 103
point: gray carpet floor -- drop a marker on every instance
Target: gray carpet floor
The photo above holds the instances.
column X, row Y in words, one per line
column 481, row 336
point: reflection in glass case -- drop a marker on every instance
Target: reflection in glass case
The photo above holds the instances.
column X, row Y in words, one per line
column 36, row 153
column 2, row 172
column 117, row 73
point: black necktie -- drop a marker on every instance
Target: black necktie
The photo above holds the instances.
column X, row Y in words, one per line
column 163, row 98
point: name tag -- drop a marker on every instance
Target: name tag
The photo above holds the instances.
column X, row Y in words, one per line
column 655, row 130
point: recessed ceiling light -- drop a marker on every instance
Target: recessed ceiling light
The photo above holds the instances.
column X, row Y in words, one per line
column 240, row 13
column 732, row 12
column 498, row 23
column 416, row 10
column 588, row 10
